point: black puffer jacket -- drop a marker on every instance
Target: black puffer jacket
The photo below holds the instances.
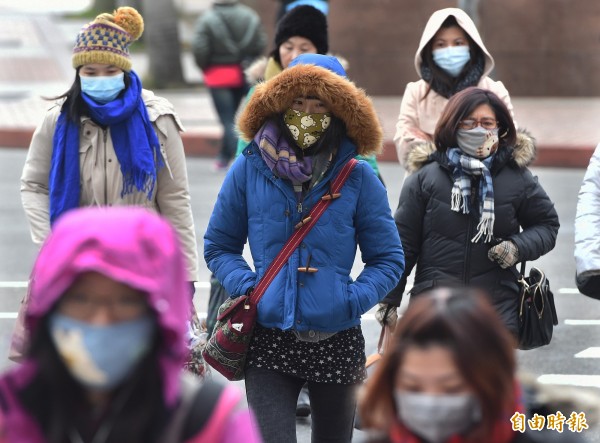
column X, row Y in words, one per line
column 438, row 240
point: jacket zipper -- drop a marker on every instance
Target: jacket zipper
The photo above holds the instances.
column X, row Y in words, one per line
column 470, row 234
column 105, row 171
column 466, row 266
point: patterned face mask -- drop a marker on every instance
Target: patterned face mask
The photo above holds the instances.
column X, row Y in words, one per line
column 306, row 128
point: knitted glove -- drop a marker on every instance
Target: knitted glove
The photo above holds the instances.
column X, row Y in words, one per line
column 505, row 253
column 386, row 315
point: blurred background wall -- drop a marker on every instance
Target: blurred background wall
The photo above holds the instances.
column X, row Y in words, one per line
column 541, row 47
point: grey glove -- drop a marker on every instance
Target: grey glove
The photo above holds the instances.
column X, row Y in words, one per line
column 386, row 315
column 505, row 253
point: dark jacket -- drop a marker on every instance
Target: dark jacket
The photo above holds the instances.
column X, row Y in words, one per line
column 228, row 33
column 438, row 240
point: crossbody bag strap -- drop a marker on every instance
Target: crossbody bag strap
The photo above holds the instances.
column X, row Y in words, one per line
column 519, row 274
column 302, row 230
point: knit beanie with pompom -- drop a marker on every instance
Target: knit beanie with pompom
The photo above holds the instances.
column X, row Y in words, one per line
column 106, row 40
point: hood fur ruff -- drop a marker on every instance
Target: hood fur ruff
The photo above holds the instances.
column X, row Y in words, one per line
column 346, row 101
column 523, row 155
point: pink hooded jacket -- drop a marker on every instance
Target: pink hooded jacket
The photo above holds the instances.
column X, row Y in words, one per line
column 136, row 247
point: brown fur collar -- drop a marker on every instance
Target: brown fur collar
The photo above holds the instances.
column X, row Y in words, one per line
column 523, row 153
column 346, row 101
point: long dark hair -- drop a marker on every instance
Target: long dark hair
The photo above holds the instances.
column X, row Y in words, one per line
column 58, row 403
column 440, row 79
column 74, row 105
column 464, row 103
column 463, row 321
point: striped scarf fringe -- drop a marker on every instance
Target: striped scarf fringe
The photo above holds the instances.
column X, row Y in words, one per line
column 463, row 168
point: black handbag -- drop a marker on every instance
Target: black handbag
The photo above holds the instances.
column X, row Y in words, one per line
column 537, row 313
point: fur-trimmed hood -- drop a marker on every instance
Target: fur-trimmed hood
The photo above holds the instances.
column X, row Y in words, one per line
column 346, row 101
column 523, row 153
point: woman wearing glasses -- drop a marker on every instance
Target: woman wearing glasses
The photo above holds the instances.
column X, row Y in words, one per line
column 472, row 209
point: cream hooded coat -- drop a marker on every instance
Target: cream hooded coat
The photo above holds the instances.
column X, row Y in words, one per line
column 101, row 178
column 421, row 113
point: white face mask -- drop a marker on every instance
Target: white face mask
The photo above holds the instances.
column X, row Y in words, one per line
column 452, row 59
column 477, row 142
column 437, row 417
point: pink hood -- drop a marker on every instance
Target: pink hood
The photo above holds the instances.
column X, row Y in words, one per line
column 130, row 245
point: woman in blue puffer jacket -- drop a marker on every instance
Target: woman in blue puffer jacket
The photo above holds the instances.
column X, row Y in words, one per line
column 305, row 125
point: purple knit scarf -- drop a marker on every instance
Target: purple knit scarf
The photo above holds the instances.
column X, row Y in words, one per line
column 281, row 158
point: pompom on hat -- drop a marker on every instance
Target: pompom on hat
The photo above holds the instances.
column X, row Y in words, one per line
column 106, row 40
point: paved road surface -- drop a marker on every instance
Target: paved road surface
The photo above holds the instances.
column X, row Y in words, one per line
column 572, row 358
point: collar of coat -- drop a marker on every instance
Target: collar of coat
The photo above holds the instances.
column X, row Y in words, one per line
column 345, row 100
column 522, row 154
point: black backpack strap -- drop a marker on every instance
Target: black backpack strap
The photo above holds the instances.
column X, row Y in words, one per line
column 198, row 400
column 201, row 408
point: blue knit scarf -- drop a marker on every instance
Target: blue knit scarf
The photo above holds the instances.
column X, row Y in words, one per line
column 463, row 168
column 135, row 142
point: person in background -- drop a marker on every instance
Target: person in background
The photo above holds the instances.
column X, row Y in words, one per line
column 449, row 376
column 108, row 317
column 306, row 124
column 451, row 57
column 107, row 141
column 473, row 210
column 227, row 36
column 587, row 230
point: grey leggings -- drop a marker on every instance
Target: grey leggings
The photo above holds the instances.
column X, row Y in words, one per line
column 273, row 395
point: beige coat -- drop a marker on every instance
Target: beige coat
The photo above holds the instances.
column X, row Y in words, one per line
column 101, row 178
column 423, row 113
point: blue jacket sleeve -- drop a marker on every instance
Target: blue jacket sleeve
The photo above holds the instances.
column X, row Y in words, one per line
column 379, row 243
column 227, row 233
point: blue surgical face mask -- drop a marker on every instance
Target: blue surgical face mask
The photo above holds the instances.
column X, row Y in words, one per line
column 103, row 89
column 452, row 59
column 101, row 357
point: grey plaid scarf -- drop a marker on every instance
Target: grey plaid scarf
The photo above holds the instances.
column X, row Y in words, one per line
column 463, row 168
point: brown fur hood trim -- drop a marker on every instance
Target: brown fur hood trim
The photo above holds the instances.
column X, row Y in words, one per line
column 346, row 101
column 523, row 153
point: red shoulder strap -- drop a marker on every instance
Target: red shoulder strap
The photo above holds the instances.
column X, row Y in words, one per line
column 302, row 229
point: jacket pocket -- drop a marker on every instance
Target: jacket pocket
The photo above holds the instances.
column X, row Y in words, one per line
column 163, row 153
column 341, row 308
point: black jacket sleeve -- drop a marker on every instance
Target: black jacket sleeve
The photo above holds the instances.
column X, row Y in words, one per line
column 409, row 221
column 538, row 218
